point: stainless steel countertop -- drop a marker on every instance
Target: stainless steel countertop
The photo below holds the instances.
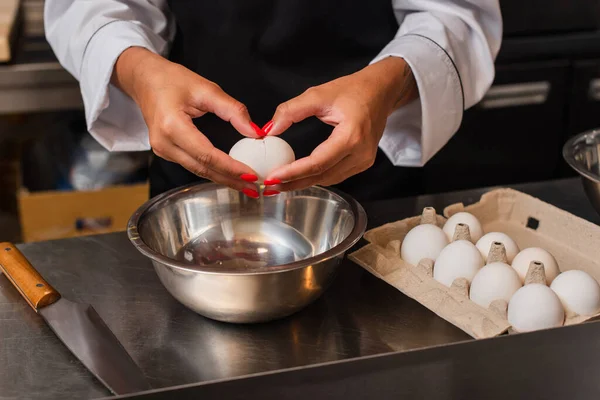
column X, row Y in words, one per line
column 358, row 316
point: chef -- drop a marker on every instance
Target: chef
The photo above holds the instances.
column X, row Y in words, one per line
column 363, row 91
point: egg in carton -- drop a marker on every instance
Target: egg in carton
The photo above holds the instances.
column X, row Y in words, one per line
column 452, row 302
column 461, row 285
column 382, row 258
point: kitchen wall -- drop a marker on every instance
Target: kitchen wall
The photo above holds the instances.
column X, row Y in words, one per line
column 547, row 88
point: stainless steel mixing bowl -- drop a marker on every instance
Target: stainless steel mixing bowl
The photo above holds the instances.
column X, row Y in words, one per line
column 236, row 259
column 582, row 153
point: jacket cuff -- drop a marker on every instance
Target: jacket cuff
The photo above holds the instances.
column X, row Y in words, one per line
column 416, row 132
column 112, row 117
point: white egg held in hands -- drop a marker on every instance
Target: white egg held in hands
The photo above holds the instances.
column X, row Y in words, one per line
column 525, row 257
column 495, row 281
column 460, row 259
column 535, row 306
column 475, row 229
column 578, row 292
column 423, row 241
column 485, row 244
column 263, row 155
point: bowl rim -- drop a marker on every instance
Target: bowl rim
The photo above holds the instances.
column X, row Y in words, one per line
column 358, row 230
column 569, row 157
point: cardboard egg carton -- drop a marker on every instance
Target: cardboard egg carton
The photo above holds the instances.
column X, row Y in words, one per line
column 530, row 222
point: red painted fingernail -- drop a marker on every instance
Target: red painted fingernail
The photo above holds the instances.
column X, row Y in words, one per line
column 271, row 182
column 270, row 192
column 250, row 193
column 268, row 126
column 257, row 130
column 249, row 177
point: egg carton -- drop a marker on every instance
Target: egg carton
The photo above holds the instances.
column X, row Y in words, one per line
column 530, row 222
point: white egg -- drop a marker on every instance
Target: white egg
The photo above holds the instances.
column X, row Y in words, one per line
column 423, row 241
column 578, row 292
column 535, row 306
column 263, row 155
column 525, row 257
column 463, row 218
column 495, row 281
column 485, row 243
column 460, row 259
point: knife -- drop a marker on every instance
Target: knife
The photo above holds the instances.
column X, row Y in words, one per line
column 77, row 325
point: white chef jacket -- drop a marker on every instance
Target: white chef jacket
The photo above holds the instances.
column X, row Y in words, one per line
column 450, row 45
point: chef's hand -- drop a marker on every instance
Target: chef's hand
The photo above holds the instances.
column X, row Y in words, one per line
column 169, row 96
column 357, row 106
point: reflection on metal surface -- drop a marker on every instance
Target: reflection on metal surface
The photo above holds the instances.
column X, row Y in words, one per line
column 237, row 259
column 212, row 350
column 310, row 281
column 82, row 330
column 519, row 94
column 594, row 90
column 248, row 241
column 582, row 153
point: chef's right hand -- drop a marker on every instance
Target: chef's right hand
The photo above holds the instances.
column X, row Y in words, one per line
column 169, row 96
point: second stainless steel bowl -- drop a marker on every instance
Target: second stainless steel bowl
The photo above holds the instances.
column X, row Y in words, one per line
column 236, row 259
column 582, row 153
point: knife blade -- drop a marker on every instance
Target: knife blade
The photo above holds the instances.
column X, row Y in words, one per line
column 77, row 325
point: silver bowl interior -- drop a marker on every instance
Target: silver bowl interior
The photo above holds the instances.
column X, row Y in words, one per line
column 208, row 227
column 581, row 153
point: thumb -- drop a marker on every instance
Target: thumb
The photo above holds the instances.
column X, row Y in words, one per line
column 299, row 108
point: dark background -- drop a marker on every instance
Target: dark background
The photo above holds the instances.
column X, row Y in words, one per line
column 550, row 60
column 547, row 88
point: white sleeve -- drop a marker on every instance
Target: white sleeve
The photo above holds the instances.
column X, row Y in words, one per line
column 451, row 47
column 87, row 38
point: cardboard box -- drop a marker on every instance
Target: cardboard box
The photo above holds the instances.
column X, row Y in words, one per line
column 9, row 16
column 530, row 222
column 62, row 214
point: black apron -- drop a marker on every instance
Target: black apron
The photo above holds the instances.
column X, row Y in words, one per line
column 265, row 52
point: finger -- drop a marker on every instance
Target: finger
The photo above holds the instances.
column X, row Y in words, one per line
column 350, row 166
column 308, row 104
column 213, row 99
column 324, row 156
column 179, row 156
column 184, row 134
column 339, row 173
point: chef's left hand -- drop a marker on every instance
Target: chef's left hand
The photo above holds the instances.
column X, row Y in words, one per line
column 357, row 106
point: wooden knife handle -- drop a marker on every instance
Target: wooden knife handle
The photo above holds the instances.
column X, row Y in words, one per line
column 25, row 278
